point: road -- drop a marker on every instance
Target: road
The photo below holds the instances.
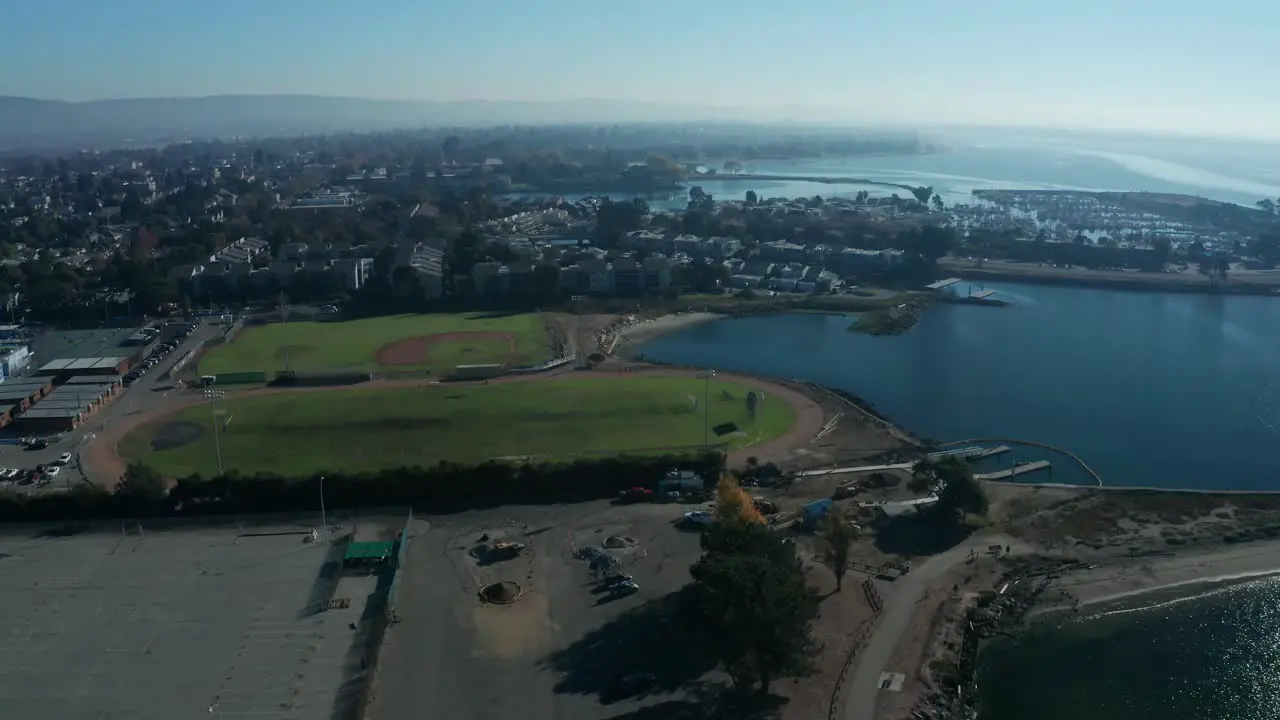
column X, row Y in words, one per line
column 900, row 598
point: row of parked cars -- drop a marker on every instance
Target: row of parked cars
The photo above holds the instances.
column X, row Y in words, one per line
column 159, row 352
column 40, row 474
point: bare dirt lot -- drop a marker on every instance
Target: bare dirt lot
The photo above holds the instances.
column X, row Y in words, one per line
column 556, row 652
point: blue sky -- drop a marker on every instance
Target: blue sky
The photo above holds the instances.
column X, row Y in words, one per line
column 1167, row 65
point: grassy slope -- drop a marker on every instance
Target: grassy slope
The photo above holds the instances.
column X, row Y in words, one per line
column 299, row 433
column 352, row 344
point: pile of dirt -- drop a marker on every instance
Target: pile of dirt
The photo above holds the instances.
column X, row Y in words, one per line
column 501, row 593
column 619, row 541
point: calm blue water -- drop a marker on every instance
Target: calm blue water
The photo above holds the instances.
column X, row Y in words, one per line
column 1158, row 390
column 1228, row 171
column 1211, row 657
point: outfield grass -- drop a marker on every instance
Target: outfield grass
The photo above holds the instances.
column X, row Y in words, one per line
column 367, row 429
column 352, row 344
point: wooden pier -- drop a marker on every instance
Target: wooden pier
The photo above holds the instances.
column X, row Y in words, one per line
column 975, row 452
column 1015, row 471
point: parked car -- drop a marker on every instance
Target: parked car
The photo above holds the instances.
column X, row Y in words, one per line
column 64, row 458
column 699, row 517
column 53, row 470
column 624, row 588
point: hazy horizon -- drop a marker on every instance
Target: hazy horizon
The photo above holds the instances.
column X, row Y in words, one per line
column 1089, row 65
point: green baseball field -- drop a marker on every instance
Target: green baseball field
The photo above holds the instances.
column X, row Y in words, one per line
column 436, row 343
column 302, row 432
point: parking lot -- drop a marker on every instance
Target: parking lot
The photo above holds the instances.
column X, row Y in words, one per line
column 566, row 648
column 205, row 621
column 148, row 390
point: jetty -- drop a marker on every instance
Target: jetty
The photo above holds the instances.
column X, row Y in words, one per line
column 941, row 284
column 1015, row 471
column 975, row 452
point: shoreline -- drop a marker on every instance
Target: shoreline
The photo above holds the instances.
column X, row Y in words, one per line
column 1188, row 573
column 1099, row 280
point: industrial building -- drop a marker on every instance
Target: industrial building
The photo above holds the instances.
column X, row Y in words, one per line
column 68, row 405
column 63, row 368
column 16, row 396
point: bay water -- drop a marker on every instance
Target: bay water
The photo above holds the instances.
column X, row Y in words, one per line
column 1209, row 656
column 1149, row 389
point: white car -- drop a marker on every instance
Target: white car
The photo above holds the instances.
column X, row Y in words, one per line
column 52, row 471
column 12, row 473
column 64, row 458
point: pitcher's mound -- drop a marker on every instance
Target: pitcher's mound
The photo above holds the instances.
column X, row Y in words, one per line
column 502, row 593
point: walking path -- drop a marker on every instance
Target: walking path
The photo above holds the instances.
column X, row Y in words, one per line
column 900, row 598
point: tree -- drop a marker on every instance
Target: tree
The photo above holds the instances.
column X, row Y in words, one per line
column 733, row 504
column 922, row 194
column 752, row 606
column 959, row 491
column 923, row 477
column 142, row 483
column 1163, row 248
column 1267, row 249
column 937, row 202
column 732, row 167
column 449, row 148
column 837, row 538
column 752, row 198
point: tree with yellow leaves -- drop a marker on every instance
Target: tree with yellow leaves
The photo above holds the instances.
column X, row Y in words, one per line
column 733, row 504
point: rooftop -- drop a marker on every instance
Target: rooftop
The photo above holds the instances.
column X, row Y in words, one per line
column 84, row 343
column 80, row 363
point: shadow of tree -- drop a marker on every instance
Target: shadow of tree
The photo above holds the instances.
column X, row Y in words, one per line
column 651, row 638
column 920, row 535
column 710, row 701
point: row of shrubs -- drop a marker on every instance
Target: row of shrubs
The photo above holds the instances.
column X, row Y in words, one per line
column 444, row 488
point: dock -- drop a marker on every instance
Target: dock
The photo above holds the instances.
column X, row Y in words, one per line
column 982, row 294
column 1014, row 471
column 942, row 284
column 974, row 452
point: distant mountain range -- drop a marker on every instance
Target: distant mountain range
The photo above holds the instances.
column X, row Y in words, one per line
column 30, row 124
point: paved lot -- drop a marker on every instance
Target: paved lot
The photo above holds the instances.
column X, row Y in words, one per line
column 555, row 652
column 177, row 624
column 148, row 393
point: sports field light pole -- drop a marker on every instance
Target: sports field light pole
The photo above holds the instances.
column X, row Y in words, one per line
column 323, row 520
column 706, row 407
column 284, row 319
column 213, row 396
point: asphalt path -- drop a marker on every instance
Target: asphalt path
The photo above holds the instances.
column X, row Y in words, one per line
column 900, row 598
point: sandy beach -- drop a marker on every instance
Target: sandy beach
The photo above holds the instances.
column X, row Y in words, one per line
column 1186, row 570
column 647, row 329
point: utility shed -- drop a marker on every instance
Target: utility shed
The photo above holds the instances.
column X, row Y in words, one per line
column 367, row 554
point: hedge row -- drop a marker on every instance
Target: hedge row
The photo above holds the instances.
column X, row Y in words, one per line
column 444, row 488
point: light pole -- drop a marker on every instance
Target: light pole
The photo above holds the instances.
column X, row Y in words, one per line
column 284, row 320
column 323, row 520
column 706, row 406
column 213, row 396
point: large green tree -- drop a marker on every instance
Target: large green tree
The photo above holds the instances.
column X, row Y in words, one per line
column 752, row 606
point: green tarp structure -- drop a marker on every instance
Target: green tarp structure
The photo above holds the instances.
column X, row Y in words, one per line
column 369, row 553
